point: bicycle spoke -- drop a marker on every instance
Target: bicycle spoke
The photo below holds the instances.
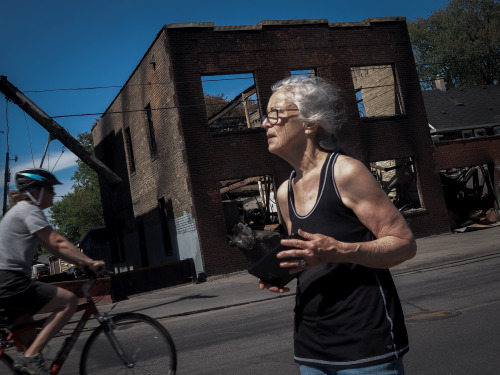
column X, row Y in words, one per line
column 136, row 345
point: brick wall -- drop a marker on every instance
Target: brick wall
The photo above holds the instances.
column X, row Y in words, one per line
column 468, row 152
column 163, row 175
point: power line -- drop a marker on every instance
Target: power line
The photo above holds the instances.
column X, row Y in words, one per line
column 133, row 85
column 367, row 68
column 57, row 161
column 205, row 79
column 370, row 68
column 391, row 85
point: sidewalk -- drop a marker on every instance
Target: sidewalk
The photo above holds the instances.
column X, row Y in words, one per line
column 242, row 288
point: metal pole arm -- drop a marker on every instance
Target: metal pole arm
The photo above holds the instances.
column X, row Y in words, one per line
column 55, row 130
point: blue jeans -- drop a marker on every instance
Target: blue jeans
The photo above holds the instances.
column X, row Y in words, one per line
column 394, row 367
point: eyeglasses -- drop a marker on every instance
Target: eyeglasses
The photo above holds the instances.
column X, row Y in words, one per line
column 273, row 115
column 50, row 189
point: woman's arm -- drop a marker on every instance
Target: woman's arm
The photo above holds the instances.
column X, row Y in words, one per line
column 62, row 248
column 360, row 192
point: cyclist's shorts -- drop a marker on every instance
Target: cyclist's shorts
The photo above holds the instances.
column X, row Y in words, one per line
column 20, row 295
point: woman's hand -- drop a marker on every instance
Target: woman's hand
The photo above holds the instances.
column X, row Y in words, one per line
column 313, row 250
column 263, row 285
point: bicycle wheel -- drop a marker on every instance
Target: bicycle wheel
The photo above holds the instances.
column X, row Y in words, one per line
column 6, row 365
column 143, row 342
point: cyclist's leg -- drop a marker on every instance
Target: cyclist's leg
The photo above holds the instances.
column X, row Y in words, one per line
column 62, row 306
column 24, row 298
column 26, row 337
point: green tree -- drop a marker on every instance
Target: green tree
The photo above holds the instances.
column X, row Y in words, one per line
column 81, row 209
column 460, row 43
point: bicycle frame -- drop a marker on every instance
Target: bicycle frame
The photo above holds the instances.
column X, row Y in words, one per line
column 90, row 309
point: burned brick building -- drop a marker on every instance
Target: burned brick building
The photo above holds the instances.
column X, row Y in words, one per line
column 194, row 166
column 465, row 127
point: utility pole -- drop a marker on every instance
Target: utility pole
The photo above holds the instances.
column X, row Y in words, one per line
column 56, row 131
column 6, row 181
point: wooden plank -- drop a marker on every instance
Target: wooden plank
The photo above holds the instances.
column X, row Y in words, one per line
column 239, row 184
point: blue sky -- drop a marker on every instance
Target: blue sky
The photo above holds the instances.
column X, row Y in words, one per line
column 54, row 44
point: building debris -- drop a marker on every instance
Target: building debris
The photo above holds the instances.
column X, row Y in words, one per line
column 469, row 196
column 398, row 179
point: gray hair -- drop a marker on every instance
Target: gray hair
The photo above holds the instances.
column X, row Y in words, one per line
column 318, row 102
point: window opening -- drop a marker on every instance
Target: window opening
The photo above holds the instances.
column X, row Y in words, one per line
column 398, row 179
column 361, row 105
column 250, row 210
column 459, row 133
column 377, row 91
column 467, row 134
column 469, row 195
column 304, row 72
column 142, row 244
column 131, row 159
column 118, row 251
column 163, row 211
column 481, row 132
column 231, row 102
column 151, row 130
column 108, row 151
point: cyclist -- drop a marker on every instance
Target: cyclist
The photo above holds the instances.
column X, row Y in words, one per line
column 21, row 229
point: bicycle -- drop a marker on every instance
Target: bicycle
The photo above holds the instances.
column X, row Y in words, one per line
column 125, row 343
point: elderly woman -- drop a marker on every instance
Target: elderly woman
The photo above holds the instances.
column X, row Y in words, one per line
column 348, row 317
column 21, row 229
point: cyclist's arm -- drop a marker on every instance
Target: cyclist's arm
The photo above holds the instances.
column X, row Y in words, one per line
column 62, row 248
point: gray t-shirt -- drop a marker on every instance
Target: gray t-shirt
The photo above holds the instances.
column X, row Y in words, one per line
column 18, row 242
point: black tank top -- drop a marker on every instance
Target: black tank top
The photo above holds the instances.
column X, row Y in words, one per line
column 346, row 315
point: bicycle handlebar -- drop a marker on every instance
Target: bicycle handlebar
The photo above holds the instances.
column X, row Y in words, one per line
column 91, row 277
column 86, row 271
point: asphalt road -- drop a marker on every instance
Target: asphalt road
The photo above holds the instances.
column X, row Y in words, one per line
column 453, row 320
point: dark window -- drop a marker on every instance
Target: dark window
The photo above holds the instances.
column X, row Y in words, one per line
column 131, row 159
column 164, row 209
column 142, row 244
column 118, row 251
column 151, row 130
